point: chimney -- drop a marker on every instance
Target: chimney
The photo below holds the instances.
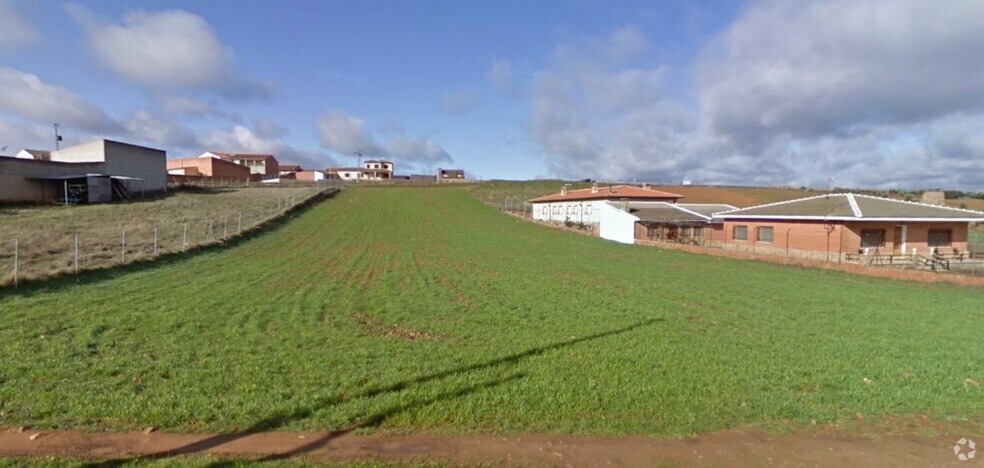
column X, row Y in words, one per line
column 645, row 186
column 563, row 191
column 594, row 187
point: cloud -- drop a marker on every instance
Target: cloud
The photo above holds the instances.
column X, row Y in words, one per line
column 170, row 49
column 458, row 102
column 345, row 135
column 26, row 96
column 174, row 106
column 501, row 76
column 872, row 93
column 820, row 68
column 418, row 151
column 17, row 136
column 16, row 31
column 266, row 137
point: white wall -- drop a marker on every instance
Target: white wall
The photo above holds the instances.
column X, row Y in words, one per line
column 573, row 211
column 615, row 224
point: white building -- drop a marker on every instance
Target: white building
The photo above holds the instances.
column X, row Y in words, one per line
column 584, row 206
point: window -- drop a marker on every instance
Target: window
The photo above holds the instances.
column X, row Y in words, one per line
column 763, row 234
column 556, row 210
column 740, row 233
column 570, row 209
column 652, row 231
column 940, row 237
column 587, row 210
column 872, row 238
column 545, row 211
column 685, row 231
column 577, row 209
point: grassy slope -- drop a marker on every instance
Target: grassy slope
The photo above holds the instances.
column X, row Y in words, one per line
column 522, row 328
column 46, row 234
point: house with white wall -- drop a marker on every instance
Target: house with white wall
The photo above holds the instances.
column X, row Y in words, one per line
column 588, row 206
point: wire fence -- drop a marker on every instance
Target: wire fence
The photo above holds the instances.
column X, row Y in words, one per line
column 29, row 255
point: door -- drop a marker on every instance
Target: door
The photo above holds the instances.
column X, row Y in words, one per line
column 897, row 241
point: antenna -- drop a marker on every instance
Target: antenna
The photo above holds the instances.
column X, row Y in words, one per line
column 58, row 138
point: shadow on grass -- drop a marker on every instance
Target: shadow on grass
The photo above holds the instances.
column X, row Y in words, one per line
column 29, row 288
column 374, row 420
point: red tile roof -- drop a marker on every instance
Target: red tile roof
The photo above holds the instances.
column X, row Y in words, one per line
column 617, row 192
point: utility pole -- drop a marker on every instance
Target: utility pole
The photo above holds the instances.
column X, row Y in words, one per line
column 358, row 165
column 58, row 138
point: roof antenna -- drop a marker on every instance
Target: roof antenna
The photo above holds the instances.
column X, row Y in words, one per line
column 58, row 138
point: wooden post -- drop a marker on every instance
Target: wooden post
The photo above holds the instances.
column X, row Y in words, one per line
column 225, row 223
column 155, row 241
column 239, row 230
column 76, row 253
column 16, row 260
column 123, row 247
column 184, row 239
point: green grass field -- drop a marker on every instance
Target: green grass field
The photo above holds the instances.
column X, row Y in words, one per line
column 422, row 309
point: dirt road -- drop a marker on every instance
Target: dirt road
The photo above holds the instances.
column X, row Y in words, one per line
column 744, row 447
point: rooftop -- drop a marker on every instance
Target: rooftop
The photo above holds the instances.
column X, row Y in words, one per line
column 675, row 212
column 852, row 207
column 616, row 192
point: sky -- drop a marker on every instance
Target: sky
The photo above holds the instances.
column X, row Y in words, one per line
column 863, row 93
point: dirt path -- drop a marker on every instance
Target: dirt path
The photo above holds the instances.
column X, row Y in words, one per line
column 744, row 447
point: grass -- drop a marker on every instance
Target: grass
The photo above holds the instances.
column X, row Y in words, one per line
column 419, row 309
column 46, row 234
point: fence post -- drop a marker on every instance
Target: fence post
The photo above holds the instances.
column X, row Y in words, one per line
column 184, row 239
column 16, row 260
column 239, row 230
column 225, row 223
column 155, row 241
column 76, row 253
column 208, row 236
column 123, row 247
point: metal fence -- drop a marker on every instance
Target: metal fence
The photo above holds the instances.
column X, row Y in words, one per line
column 34, row 255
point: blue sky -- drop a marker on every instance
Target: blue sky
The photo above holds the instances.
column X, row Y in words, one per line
column 871, row 93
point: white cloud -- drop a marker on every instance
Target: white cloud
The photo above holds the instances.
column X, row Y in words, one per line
column 26, row 96
column 345, row 135
column 458, row 102
column 872, row 93
column 501, row 76
column 818, row 68
column 265, row 138
column 170, row 49
column 17, row 136
column 16, row 30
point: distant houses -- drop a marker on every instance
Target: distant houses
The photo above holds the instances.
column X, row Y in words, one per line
column 94, row 172
column 450, row 175
column 192, row 169
column 265, row 165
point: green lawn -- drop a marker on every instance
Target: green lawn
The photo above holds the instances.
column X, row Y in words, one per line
column 422, row 309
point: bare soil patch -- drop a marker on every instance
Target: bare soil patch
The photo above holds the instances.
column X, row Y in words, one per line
column 816, row 446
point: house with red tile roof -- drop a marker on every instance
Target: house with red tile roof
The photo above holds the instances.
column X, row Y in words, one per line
column 585, row 206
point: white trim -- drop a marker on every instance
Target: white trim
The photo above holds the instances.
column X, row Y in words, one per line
column 848, row 218
column 854, row 205
column 922, row 204
column 905, row 228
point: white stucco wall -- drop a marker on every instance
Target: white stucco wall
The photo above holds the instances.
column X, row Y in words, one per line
column 574, row 211
column 615, row 224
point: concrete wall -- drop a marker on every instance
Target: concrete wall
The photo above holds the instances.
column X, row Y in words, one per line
column 122, row 159
column 615, row 224
column 585, row 212
column 137, row 161
column 16, row 184
column 310, row 176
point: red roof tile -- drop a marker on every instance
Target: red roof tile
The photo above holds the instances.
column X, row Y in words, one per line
column 617, row 192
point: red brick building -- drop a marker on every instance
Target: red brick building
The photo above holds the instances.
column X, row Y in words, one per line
column 834, row 226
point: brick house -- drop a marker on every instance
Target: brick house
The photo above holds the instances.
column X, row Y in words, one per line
column 262, row 164
column 211, row 168
column 834, row 226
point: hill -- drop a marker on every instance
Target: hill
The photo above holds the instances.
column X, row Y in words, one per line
column 419, row 309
